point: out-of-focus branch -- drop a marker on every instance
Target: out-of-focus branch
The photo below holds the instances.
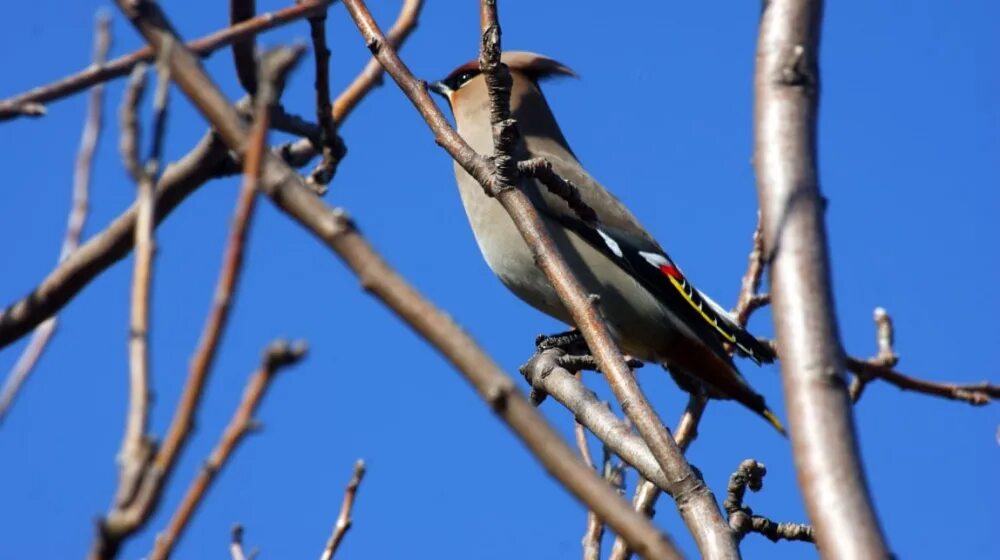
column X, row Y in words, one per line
column 881, row 366
column 24, row 103
column 278, row 355
column 786, row 91
column 205, row 161
column 98, row 253
column 289, row 192
column 218, row 317
column 245, row 48
column 82, row 174
column 331, row 146
column 594, row 532
column 750, row 474
column 134, row 498
column 748, row 301
column 371, row 75
column 646, row 492
column 344, row 520
column 497, row 174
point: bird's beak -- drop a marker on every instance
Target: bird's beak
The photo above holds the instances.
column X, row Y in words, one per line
column 440, row 88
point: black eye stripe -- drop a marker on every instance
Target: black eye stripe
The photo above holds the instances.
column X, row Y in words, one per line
column 457, row 81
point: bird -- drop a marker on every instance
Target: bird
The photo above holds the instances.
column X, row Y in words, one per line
column 651, row 308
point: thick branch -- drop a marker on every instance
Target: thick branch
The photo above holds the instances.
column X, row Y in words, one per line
column 829, row 469
column 289, row 191
column 695, row 500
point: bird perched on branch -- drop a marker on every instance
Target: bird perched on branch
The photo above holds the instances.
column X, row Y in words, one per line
column 650, row 306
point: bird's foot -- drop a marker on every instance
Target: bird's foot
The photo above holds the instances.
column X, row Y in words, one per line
column 577, row 355
column 571, row 342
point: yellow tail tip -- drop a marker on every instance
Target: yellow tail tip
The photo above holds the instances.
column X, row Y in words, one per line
column 770, row 416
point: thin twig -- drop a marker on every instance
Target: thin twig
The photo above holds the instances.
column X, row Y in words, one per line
column 279, row 354
column 594, row 531
column 750, row 474
column 82, row 175
column 496, row 174
column 289, row 192
column 134, row 502
column 207, row 160
column 229, row 275
column 749, row 299
column 646, row 492
column 371, row 75
column 136, row 446
column 344, row 520
column 122, row 66
column 331, row 146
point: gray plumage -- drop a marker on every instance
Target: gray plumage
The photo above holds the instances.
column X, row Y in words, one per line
column 651, row 317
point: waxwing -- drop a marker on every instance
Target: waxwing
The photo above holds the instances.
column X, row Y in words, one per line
column 650, row 306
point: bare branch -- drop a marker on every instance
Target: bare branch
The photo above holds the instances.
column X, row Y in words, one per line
column 245, row 48
column 77, row 216
column 344, row 520
column 122, row 66
column 371, row 75
column 331, row 146
column 218, row 316
column 289, row 191
column 786, row 86
column 646, row 492
column 742, row 519
column 497, row 175
column 111, row 245
column 594, row 532
column 279, row 354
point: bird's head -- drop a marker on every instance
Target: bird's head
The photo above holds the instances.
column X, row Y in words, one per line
column 465, row 85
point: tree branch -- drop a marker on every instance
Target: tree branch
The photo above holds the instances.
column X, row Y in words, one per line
column 498, row 174
column 786, row 85
column 82, row 175
column 289, row 191
column 344, row 520
column 278, row 355
column 23, row 103
column 741, row 518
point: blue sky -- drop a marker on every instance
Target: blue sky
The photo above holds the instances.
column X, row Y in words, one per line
column 908, row 146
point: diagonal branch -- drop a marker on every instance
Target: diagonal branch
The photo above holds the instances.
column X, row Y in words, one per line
column 279, row 354
column 497, row 175
column 344, row 520
column 289, row 192
column 77, row 215
column 122, row 66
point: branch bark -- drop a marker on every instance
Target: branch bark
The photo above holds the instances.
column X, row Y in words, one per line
column 289, row 192
column 786, row 85
column 19, row 105
column 279, row 354
column 344, row 520
column 77, row 216
column 497, row 174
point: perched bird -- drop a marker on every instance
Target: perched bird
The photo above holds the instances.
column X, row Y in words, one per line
column 651, row 308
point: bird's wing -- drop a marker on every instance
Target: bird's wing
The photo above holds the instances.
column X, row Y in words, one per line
column 658, row 273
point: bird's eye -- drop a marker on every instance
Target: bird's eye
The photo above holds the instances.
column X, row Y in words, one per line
column 460, row 79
